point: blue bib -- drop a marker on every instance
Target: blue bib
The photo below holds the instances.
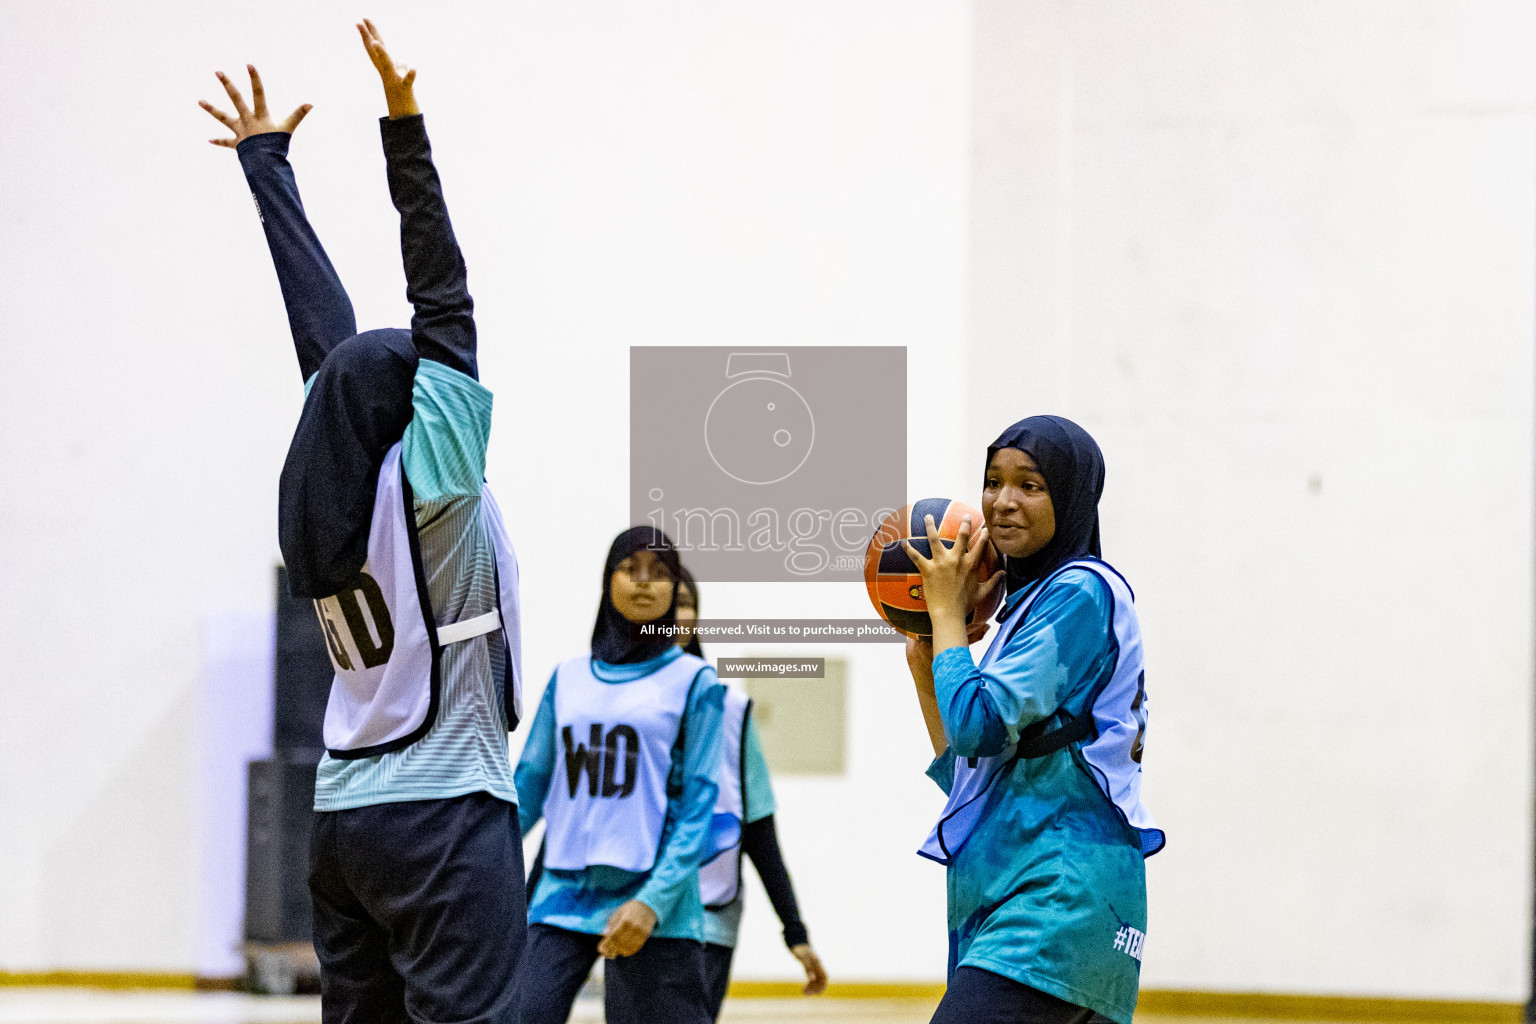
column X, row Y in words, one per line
column 1107, row 733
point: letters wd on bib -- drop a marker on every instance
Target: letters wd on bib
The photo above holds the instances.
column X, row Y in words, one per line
column 617, row 745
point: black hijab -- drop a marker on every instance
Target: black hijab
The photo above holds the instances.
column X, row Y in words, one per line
column 612, row 639
column 1073, row 468
column 357, row 408
column 687, row 581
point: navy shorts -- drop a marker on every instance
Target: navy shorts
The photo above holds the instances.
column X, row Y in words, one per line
column 420, row 913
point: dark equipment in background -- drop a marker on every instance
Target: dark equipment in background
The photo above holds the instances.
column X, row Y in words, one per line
column 279, row 925
column 303, row 678
column 280, row 798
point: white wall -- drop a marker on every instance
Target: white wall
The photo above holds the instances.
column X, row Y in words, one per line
column 1251, row 247
column 758, row 174
column 690, row 172
column 1278, row 257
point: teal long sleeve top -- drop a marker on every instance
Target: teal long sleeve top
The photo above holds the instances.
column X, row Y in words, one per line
column 582, row 901
column 1051, row 877
column 465, row 751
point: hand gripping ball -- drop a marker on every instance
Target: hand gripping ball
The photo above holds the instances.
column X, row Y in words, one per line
column 894, row 584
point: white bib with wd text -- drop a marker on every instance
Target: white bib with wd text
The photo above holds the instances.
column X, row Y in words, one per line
column 607, row 802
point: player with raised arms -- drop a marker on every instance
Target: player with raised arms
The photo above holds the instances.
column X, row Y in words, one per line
column 747, row 792
column 1038, row 746
column 385, row 522
column 622, row 762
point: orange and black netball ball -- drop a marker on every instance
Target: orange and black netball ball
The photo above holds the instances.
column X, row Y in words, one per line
column 894, row 584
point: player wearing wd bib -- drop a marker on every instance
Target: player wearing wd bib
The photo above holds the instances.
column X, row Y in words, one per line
column 746, row 792
column 385, row 521
column 622, row 762
column 1039, row 748
column 614, row 744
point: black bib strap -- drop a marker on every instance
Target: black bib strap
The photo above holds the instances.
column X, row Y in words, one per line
column 1054, row 733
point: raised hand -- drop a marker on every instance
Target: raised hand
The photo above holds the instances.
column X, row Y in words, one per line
column 398, row 80
column 248, row 122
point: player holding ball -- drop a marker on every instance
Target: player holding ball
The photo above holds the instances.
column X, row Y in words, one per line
column 1038, row 746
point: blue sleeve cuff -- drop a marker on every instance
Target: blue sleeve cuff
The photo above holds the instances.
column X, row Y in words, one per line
column 677, row 863
column 942, row 770
column 536, row 766
column 951, row 668
column 971, row 722
column 661, row 897
column 398, row 132
column 253, row 148
column 528, row 815
column 757, row 802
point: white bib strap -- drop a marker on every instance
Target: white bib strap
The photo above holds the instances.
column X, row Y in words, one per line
column 466, row 629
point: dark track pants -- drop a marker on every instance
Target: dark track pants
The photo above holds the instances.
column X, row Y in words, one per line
column 661, row 984
column 420, row 913
column 717, row 975
column 975, row 996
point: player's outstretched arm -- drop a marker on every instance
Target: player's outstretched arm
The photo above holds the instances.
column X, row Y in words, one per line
column 443, row 326
column 319, row 312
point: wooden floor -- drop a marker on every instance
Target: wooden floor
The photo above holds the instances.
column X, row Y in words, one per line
column 84, row 1006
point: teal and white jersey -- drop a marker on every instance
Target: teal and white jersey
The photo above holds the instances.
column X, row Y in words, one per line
column 1048, row 887
column 722, row 927
column 465, row 750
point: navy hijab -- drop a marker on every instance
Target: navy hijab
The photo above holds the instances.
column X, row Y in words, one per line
column 357, row 408
column 1073, row 468
column 613, row 639
column 687, row 582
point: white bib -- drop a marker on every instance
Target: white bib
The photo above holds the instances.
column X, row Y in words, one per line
column 720, row 877
column 607, row 802
column 1110, row 732
column 384, row 641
